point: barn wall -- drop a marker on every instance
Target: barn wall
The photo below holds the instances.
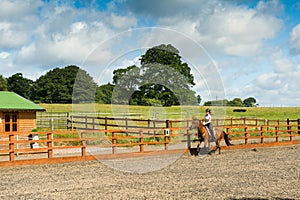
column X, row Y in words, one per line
column 27, row 121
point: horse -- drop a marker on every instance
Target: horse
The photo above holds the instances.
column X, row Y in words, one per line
column 204, row 136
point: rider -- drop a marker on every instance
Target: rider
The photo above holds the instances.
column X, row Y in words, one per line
column 208, row 123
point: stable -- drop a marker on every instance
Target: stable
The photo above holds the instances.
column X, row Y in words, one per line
column 17, row 114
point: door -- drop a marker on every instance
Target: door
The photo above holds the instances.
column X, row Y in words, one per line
column 10, row 122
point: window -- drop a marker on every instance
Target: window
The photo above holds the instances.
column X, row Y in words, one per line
column 11, row 122
column 7, row 123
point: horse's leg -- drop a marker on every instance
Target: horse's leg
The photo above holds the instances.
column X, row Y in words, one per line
column 198, row 148
column 218, row 144
column 217, row 141
column 207, row 144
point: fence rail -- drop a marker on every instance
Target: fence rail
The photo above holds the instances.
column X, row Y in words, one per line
column 58, row 121
column 71, row 145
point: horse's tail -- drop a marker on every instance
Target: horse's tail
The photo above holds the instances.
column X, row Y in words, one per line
column 226, row 138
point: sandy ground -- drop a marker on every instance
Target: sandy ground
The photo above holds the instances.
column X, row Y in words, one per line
column 262, row 173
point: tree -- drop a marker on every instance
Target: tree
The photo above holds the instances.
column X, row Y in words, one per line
column 66, row 85
column 3, row 83
column 199, row 99
column 104, row 94
column 20, row 85
column 236, row 102
column 162, row 79
column 126, row 83
column 249, row 102
column 223, row 102
column 167, row 55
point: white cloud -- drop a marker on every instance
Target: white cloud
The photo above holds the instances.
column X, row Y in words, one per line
column 12, row 10
column 283, row 65
column 295, row 40
column 270, row 7
column 122, row 22
column 235, row 30
column 240, row 31
column 12, row 36
column 4, row 55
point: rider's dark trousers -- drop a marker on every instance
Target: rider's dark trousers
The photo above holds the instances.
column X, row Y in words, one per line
column 211, row 130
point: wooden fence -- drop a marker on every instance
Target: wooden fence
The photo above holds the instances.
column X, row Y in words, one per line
column 106, row 123
column 59, row 121
column 67, row 145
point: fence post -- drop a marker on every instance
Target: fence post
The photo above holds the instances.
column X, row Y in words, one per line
column 17, row 146
column 93, row 120
column 105, row 126
column 167, row 123
column 289, row 128
column 187, row 126
column 298, row 126
column 50, row 144
column 246, row 135
column 167, row 139
column 11, row 147
column 86, row 123
column 83, row 143
column 262, row 134
column 141, row 141
column 276, row 133
column 72, row 121
column 188, row 139
column 154, row 127
column 52, row 123
column 114, row 142
column 149, row 127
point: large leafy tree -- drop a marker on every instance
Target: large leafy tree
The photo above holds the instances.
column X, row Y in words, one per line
column 20, row 85
column 65, row 85
column 162, row 79
column 3, row 83
column 167, row 55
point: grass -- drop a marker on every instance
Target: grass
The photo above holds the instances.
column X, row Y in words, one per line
column 175, row 112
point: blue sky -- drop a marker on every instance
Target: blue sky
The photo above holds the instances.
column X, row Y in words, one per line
column 235, row 48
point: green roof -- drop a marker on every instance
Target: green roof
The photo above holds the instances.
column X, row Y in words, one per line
column 10, row 101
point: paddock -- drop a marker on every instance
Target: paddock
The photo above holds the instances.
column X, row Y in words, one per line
column 260, row 173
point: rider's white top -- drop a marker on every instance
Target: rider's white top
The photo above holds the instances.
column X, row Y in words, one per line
column 207, row 118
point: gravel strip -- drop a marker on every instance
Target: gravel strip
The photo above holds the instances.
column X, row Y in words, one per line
column 262, row 173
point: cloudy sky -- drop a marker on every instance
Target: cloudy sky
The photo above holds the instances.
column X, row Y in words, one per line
column 235, row 48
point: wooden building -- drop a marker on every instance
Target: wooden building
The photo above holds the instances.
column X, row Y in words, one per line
column 17, row 114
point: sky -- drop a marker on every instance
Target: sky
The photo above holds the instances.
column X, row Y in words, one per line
column 235, row 48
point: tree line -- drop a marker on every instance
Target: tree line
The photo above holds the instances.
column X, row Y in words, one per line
column 162, row 79
column 236, row 102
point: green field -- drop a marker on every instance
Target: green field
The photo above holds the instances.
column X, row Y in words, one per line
column 176, row 112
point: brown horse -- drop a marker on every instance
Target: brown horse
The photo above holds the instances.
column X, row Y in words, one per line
column 204, row 136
